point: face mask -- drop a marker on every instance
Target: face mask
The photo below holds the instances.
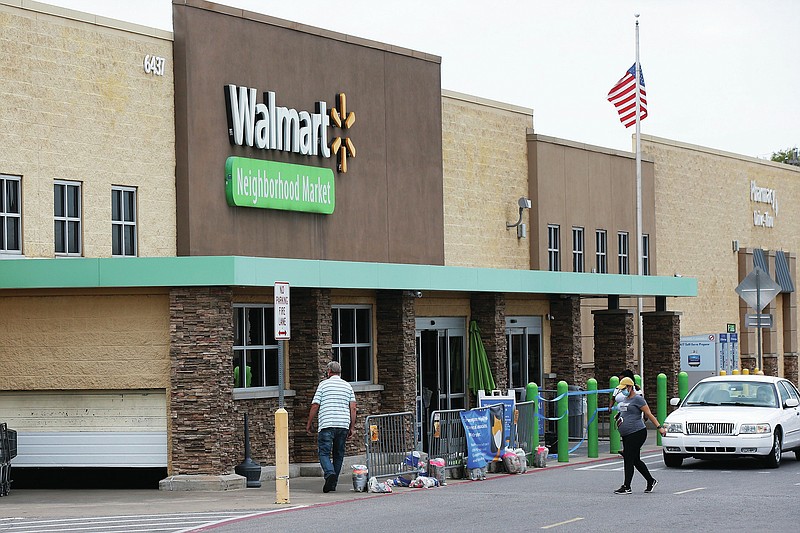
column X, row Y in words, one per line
column 625, row 392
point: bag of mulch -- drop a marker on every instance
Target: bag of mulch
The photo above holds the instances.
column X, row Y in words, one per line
column 511, row 462
column 540, row 459
column 523, row 460
column 437, row 470
column 360, row 478
column 377, row 487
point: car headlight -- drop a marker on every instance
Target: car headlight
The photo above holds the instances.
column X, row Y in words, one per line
column 674, row 427
column 755, row 428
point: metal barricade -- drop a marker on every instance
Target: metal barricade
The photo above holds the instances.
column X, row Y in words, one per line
column 446, row 439
column 6, row 454
column 526, row 414
column 389, row 439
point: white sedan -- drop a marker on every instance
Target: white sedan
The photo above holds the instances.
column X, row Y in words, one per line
column 734, row 416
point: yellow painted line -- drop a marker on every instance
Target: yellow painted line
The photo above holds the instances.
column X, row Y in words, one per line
column 562, row 523
column 690, row 490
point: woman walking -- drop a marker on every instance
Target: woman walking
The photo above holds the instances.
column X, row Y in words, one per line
column 634, row 433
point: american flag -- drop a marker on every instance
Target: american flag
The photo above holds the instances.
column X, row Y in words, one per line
column 623, row 96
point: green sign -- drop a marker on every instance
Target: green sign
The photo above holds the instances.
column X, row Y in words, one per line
column 273, row 185
column 731, row 328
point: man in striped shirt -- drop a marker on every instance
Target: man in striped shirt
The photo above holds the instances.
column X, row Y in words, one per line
column 336, row 404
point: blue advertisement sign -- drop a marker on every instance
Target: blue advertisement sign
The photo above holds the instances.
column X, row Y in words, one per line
column 509, row 405
column 483, row 428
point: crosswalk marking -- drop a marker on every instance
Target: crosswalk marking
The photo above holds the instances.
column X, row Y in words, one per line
column 168, row 523
column 648, row 459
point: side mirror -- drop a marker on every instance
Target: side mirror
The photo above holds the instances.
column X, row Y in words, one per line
column 791, row 402
column 674, row 401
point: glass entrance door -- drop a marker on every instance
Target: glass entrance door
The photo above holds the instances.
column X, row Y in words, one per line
column 524, row 343
column 441, row 369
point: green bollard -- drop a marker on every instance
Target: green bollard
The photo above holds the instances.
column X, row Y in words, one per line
column 532, row 395
column 638, row 380
column 661, row 406
column 591, row 407
column 562, row 426
column 683, row 385
column 613, row 432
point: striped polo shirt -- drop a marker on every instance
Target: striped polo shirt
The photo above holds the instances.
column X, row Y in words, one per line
column 334, row 396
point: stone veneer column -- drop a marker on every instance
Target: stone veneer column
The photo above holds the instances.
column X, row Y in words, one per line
column 566, row 353
column 310, row 351
column 397, row 361
column 488, row 310
column 613, row 344
column 770, row 363
column 662, row 344
column 749, row 362
column 201, row 418
column 790, row 367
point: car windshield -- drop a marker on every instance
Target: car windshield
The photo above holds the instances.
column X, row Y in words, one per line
column 745, row 393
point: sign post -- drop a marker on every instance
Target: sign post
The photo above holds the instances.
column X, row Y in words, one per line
column 758, row 290
column 282, row 333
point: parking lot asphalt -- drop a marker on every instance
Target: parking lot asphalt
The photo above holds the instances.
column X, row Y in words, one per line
column 303, row 492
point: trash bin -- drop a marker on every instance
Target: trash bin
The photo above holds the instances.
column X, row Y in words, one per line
column 577, row 413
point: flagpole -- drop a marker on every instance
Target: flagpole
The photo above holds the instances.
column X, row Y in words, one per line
column 639, row 199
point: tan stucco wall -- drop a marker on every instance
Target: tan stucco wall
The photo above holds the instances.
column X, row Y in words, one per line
column 76, row 104
column 702, row 205
column 71, row 341
column 485, row 173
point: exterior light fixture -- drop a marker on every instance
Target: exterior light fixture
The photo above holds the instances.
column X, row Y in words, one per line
column 522, row 230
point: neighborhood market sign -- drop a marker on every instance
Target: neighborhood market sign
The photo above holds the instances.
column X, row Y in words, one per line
column 272, row 185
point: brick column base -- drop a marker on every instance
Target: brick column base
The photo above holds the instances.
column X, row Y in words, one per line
column 489, row 312
column 770, row 364
column 790, row 367
column 661, row 331
column 613, row 344
column 566, row 352
column 747, row 362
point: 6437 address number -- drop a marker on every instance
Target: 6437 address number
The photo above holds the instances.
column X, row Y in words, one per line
column 154, row 65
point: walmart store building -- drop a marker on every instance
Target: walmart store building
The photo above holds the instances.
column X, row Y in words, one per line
column 156, row 185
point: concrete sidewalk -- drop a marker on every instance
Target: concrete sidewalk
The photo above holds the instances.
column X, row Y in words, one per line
column 304, row 491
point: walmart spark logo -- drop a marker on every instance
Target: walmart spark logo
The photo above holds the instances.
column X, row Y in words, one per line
column 344, row 120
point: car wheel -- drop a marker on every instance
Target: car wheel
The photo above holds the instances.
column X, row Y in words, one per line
column 672, row 460
column 774, row 458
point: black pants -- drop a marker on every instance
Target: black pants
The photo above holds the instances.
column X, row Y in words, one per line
column 631, row 453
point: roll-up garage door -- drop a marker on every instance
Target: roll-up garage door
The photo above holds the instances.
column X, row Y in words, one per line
column 88, row 428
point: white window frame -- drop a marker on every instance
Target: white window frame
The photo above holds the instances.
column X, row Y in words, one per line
column 623, row 257
column 601, row 251
column 68, row 220
column 578, row 264
column 645, row 254
column 7, row 214
column 359, row 344
column 267, row 348
column 553, row 247
column 125, row 223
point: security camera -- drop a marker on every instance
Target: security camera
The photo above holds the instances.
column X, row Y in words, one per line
column 418, row 294
column 524, row 203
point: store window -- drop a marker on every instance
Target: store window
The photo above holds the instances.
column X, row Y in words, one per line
column 352, row 341
column 10, row 215
column 123, row 221
column 601, row 251
column 577, row 250
column 646, row 254
column 67, row 217
column 623, row 262
column 255, row 350
column 553, row 248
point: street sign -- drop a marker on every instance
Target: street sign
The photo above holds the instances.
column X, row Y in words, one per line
column 758, row 289
column 734, row 337
column 723, row 337
column 282, row 328
column 731, row 328
column 758, row 320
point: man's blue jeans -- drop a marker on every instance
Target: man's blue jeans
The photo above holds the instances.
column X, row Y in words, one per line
column 331, row 441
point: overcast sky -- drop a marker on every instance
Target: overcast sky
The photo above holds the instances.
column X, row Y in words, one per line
column 718, row 73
